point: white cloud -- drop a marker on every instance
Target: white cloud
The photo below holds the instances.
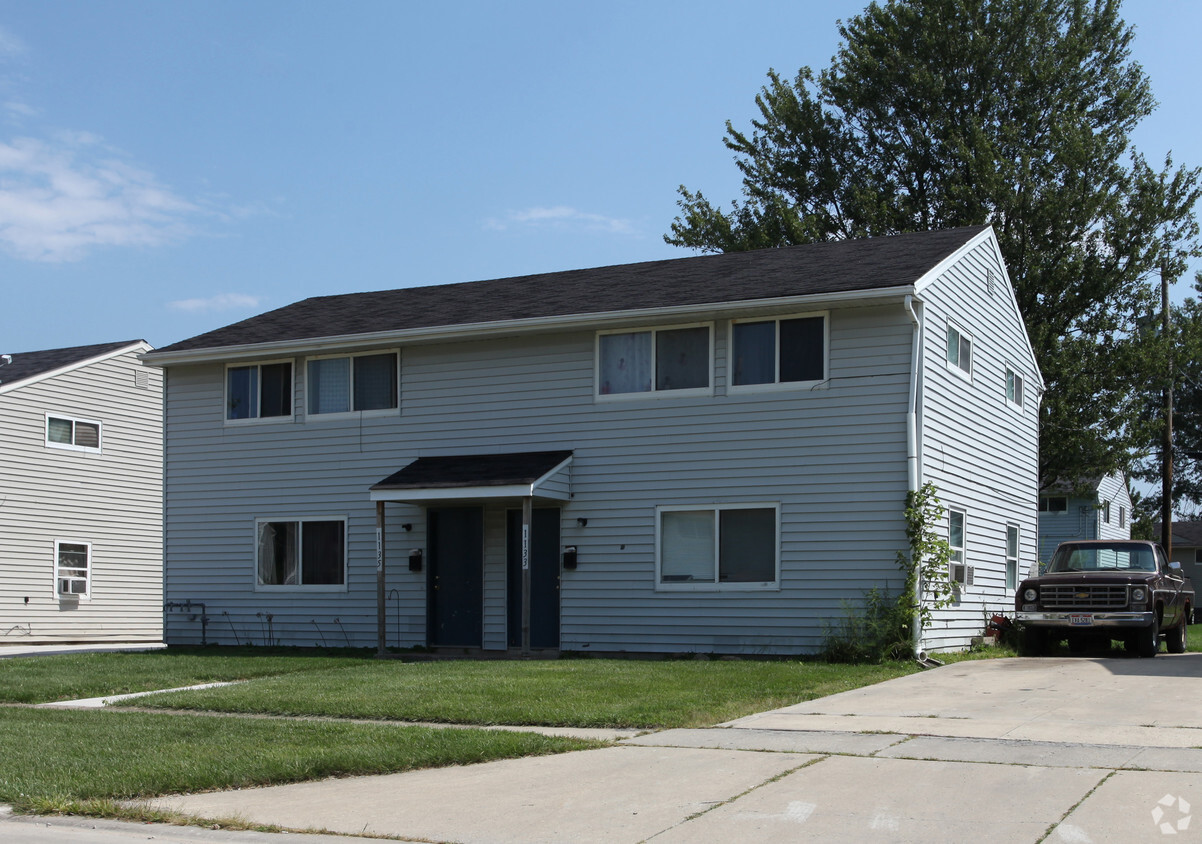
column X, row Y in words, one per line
column 561, row 217
column 220, row 302
column 60, row 199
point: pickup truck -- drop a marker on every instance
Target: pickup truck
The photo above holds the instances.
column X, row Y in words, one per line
column 1095, row 591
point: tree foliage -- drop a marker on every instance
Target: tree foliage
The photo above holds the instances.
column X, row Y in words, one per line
column 1017, row 113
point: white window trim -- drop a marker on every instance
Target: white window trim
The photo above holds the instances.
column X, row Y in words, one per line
column 776, row 385
column 1019, row 405
column 1018, row 551
column 256, row 420
column 71, row 446
column 353, row 414
column 86, row 595
column 652, row 393
column 716, row 586
column 301, row 587
column 952, row 325
column 1105, row 512
column 966, row 581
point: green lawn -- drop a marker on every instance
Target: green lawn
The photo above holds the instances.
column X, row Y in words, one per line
column 41, row 679
column 565, row 692
column 51, row 757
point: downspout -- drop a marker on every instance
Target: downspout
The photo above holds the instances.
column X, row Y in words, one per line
column 913, row 461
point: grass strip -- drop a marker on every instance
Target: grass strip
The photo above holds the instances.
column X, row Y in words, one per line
column 46, row 678
column 50, row 757
column 566, row 692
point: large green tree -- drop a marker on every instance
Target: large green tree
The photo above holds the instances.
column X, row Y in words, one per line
column 1018, row 113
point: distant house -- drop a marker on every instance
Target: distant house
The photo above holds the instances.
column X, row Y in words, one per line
column 81, row 496
column 707, row 454
column 1099, row 508
column 1187, row 548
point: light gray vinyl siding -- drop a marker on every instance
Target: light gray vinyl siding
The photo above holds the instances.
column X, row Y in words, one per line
column 1113, row 490
column 111, row 499
column 832, row 457
column 978, row 449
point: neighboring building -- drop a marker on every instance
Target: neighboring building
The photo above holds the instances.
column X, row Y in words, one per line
column 1187, row 548
column 81, row 496
column 1098, row 508
column 715, row 450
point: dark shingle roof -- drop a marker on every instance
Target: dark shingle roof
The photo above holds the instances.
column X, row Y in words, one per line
column 26, row 365
column 475, row 470
column 841, row 266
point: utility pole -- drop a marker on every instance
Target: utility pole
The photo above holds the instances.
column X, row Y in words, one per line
column 1166, row 460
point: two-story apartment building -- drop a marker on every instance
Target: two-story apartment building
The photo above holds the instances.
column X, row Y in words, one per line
column 81, row 496
column 707, row 454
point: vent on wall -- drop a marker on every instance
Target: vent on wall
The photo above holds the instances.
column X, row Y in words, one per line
column 990, row 281
column 142, row 379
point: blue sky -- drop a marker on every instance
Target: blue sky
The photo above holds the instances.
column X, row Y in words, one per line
column 171, row 167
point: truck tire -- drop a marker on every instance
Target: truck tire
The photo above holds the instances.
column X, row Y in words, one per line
column 1147, row 640
column 1176, row 640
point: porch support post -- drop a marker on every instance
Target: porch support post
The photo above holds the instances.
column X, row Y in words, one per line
column 380, row 619
column 527, row 517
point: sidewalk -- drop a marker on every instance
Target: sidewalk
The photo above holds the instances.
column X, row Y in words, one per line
column 954, row 762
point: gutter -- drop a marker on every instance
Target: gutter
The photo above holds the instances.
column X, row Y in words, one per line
column 913, row 461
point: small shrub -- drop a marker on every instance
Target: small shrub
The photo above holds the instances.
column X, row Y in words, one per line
column 876, row 631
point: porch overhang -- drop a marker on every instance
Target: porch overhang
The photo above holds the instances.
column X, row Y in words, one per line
column 528, row 474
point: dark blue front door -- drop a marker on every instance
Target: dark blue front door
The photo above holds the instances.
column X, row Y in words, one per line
column 455, row 582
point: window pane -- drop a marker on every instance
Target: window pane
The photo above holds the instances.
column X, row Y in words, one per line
column 953, row 345
column 73, row 556
column 801, row 349
column 682, row 358
column 242, row 392
column 277, row 554
column 321, row 552
column 625, row 363
column 687, row 546
column 1011, row 541
column 87, row 434
column 747, row 546
column 1011, row 573
column 375, row 382
column 277, row 389
column 754, row 353
column 965, row 354
column 58, row 430
column 329, row 385
column 956, row 535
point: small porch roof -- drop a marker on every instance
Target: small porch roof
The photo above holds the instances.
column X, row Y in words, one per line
column 537, row 474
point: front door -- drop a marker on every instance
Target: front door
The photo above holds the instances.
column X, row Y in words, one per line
column 544, row 578
column 455, row 582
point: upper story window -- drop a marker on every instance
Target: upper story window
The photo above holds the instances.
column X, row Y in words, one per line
column 72, row 568
column 258, row 390
column 654, row 361
column 1053, row 504
column 709, row 547
column 301, row 552
column 1014, row 387
column 352, row 382
column 1106, row 512
column 959, row 349
column 73, row 434
column 778, row 351
column 1122, row 516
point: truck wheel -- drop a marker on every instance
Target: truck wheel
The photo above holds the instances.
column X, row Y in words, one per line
column 1177, row 638
column 1034, row 641
column 1147, row 640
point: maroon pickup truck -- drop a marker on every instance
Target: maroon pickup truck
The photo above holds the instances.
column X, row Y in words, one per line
column 1096, row 591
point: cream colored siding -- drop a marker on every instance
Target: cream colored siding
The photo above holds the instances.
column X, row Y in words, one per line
column 110, row 499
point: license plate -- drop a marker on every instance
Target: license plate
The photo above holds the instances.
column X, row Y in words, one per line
column 1080, row 619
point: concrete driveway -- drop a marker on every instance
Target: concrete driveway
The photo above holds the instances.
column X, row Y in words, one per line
column 1021, row 750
